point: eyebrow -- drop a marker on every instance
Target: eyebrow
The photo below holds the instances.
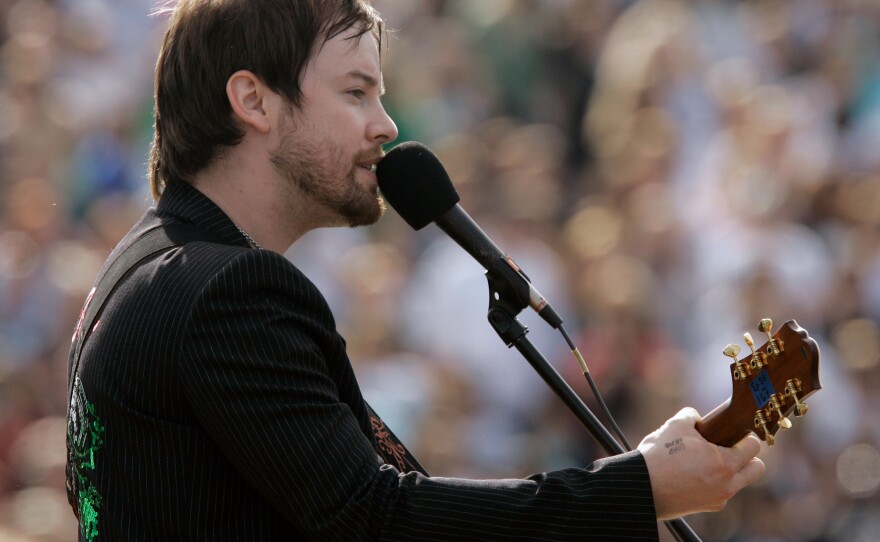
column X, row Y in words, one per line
column 368, row 80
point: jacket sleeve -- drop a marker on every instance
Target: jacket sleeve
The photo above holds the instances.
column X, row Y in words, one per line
column 259, row 382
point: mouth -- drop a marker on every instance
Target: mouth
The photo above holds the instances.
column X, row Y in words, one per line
column 370, row 163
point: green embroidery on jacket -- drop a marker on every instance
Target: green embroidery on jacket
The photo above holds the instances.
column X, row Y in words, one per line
column 84, row 440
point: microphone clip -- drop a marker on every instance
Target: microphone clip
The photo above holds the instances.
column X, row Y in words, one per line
column 508, row 296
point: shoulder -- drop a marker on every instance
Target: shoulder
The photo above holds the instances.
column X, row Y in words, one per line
column 257, row 303
column 245, row 267
column 244, row 277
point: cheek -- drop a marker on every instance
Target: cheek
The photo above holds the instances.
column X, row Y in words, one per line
column 347, row 122
column 339, row 132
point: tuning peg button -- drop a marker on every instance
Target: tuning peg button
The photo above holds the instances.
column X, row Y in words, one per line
column 732, row 351
column 766, row 326
column 775, row 405
column 740, row 370
column 758, row 358
column 792, row 387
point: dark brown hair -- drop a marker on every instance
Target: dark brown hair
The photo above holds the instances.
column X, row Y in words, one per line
column 209, row 40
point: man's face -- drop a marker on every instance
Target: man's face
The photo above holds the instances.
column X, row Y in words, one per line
column 329, row 145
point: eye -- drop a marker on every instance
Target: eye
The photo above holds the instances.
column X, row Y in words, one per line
column 357, row 93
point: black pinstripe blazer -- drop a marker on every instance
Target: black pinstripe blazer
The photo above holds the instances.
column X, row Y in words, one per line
column 214, row 400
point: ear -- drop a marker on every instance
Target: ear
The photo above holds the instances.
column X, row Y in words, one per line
column 250, row 100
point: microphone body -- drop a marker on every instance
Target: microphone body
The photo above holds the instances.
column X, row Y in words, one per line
column 416, row 184
column 462, row 229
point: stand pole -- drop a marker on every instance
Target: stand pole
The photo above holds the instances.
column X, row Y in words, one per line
column 513, row 333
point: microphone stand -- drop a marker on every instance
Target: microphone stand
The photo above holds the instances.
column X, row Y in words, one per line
column 508, row 296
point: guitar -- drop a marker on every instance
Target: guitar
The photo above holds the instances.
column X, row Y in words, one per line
column 768, row 385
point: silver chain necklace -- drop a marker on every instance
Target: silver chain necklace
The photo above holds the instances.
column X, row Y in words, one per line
column 249, row 239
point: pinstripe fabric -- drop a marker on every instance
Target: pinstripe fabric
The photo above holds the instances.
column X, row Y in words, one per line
column 230, row 411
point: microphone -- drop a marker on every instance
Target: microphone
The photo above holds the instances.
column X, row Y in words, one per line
column 415, row 183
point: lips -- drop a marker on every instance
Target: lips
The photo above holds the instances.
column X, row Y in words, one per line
column 369, row 164
column 370, row 161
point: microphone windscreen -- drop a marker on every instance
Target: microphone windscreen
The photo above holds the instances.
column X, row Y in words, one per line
column 415, row 183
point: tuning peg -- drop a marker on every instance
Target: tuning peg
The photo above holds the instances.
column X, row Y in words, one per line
column 740, row 370
column 732, row 351
column 775, row 405
column 792, row 387
column 758, row 358
column 765, row 326
column 761, row 423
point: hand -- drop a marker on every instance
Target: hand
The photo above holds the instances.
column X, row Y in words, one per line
column 690, row 474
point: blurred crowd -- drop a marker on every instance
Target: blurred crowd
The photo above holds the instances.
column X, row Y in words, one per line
column 667, row 172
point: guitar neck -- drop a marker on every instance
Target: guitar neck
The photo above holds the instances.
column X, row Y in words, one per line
column 723, row 425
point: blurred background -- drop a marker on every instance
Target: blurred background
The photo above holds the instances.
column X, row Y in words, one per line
column 668, row 172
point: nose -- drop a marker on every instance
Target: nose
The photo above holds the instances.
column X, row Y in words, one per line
column 382, row 129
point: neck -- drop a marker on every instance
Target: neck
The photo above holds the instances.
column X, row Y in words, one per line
column 250, row 193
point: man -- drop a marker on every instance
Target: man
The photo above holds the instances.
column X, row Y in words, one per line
column 213, row 399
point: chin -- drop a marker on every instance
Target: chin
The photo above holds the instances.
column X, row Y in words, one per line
column 364, row 214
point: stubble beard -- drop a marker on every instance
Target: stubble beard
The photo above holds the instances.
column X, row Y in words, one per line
column 311, row 169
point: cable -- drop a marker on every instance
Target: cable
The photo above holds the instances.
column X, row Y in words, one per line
column 602, row 405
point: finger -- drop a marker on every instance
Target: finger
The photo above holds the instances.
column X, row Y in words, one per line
column 746, row 449
column 689, row 415
column 747, row 475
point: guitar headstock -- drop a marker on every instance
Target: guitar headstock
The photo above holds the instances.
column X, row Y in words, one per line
column 769, row 384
